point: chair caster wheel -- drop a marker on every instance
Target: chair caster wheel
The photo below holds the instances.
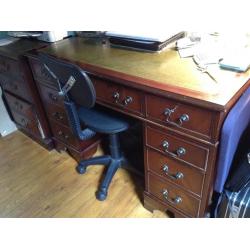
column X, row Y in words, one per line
column 80, row 169
column 101, row 195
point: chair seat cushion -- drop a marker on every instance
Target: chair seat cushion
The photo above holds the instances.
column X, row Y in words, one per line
column 102, row 122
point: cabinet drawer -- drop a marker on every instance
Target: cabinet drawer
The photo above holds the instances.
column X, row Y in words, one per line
column 17, row 87
column 178, row 148
column 20, row 106
column 119, row 96
column 178, row 173
column 66, row 136
column 40, row 72
column 30, row 126
column 10, row 67
column 51, row 96
column 180, row 116
column 172, row 195
column 57, row 113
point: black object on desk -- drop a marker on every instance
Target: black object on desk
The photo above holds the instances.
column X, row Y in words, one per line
column 144, row 43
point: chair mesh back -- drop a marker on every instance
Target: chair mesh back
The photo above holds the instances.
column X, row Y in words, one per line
column 82, row 92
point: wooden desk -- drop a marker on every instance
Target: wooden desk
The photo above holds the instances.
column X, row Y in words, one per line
column 182, row 111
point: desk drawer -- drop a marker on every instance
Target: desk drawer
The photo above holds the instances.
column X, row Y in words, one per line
column 40, row 72
column 172, row 195
column 30, row 126
column 119, row 96
column 10, row 67
column 57, row 113
column 178, row 148
column 180, row 116
column 181, row 174
column 51, row 96
column 17, row 87
column 20, row 106
column 66, row 136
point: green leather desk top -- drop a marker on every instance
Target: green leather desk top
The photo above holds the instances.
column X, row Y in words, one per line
column 164, row 71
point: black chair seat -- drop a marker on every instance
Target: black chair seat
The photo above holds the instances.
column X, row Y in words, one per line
column 101, row 122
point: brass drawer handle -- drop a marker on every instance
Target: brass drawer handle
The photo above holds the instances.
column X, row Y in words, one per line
column 179, row 153
column 64, row 136
column 177, row 176
column 183, row 118
column 57, row 116
column 175, row 201
column 116, row 96
column 168, row 112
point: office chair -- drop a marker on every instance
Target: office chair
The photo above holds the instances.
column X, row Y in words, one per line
column 79, row 100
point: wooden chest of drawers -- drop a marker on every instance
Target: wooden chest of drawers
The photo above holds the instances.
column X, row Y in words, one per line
column 179, row 155
column 20, row 92
column 63, row 137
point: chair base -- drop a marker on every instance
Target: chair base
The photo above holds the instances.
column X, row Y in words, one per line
column 112, row 166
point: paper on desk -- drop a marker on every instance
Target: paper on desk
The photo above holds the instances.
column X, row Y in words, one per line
column 187, row 52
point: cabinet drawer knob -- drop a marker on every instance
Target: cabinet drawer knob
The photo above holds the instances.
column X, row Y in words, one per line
column 175, row 201
column 177, row 176
column 183, row 118
column 165, row 145
column 59, row 132
column 128, row 100
column 181, row 151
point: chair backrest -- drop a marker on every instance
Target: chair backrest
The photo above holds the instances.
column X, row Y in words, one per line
column 82, row 92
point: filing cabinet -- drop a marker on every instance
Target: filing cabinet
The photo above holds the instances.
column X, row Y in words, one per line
column 20, row 93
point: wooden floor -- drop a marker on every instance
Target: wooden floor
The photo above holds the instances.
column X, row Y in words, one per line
column 38, row 183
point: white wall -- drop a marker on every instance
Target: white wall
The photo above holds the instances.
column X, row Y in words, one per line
column 6, row 125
